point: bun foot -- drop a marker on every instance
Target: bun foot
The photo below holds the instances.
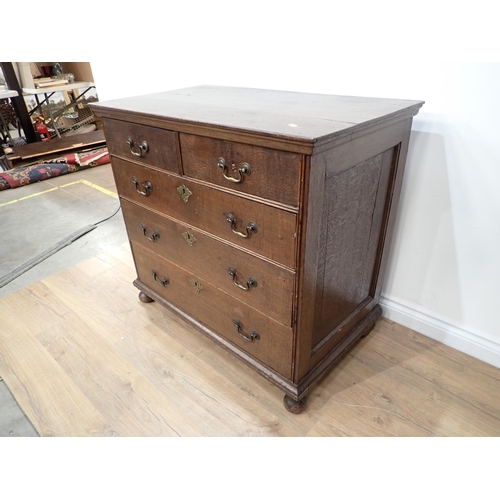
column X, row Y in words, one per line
column 294, row 406
column 144, row 298
column 367, row 330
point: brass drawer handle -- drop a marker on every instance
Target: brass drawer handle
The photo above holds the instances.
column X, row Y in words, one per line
column 163, row 282
column 143, row 147
column 254, row 336
column 148, row 187
column 242, row 171
column 154, row 235
column 250, row 282
column 251, row 226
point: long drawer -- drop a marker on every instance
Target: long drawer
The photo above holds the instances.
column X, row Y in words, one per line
column 263, row 172
column 254, row 226
column 256, row 282
column 255, row 333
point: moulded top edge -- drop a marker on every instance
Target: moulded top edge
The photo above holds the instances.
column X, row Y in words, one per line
column 292, row 115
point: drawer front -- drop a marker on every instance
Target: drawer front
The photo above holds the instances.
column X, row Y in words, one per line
column 262, row 229
column 256, row 282
column 263, row 172
column 217, row 310
column 161, row 150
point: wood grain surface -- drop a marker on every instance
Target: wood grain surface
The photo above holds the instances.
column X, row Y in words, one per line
column 207, row 210
column 217, row 310
column 352, row 218
column 59, row 144
column 162, row 148
column 211, row 258
column 290, row 115
column 325, row 215
column 274, row 174
column 84, row 357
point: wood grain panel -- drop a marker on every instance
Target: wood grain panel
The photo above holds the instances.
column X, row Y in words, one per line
column 352, row 220
column 210, row 259
column 217, row 310
column 162, row 144
column 274, row 174
column 207, row 209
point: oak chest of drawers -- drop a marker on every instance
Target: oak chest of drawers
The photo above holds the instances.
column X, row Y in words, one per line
column 262, row 217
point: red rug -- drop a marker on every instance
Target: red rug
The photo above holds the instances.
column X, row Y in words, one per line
column 52, row 168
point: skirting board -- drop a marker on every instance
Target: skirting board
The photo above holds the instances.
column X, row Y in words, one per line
column 475, row 344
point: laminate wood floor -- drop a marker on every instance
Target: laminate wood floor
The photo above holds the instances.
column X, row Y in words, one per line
column 84, row 357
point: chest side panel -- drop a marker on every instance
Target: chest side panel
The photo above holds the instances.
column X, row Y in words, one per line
column 352, row 222
column 349, row 219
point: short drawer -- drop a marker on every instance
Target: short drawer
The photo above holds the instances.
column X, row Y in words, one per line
column 260, row 228
column 148, row 145
column 258, row 335
column 263, row 172
column 256, row 282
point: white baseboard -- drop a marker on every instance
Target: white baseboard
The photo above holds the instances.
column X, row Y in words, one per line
column 475, row 344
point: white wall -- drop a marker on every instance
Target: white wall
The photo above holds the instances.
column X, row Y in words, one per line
column 444, row 272
column 444, row 276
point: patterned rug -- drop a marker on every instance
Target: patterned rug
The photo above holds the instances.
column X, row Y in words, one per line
column 52, row 168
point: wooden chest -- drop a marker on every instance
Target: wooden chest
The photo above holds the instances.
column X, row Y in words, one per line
column 262, row 217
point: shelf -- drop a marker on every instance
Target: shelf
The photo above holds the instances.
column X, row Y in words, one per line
column 6, row 94
column 58, row 88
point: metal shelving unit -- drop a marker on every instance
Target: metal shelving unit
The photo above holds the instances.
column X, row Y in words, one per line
column 67, row 119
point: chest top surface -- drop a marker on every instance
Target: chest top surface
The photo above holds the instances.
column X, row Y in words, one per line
column 291, row 115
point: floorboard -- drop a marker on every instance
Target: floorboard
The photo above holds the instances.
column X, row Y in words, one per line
column 84, row 357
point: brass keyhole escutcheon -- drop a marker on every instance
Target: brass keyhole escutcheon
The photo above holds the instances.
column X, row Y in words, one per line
column 197, row 285
column 190, row 239
column 184, row 192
